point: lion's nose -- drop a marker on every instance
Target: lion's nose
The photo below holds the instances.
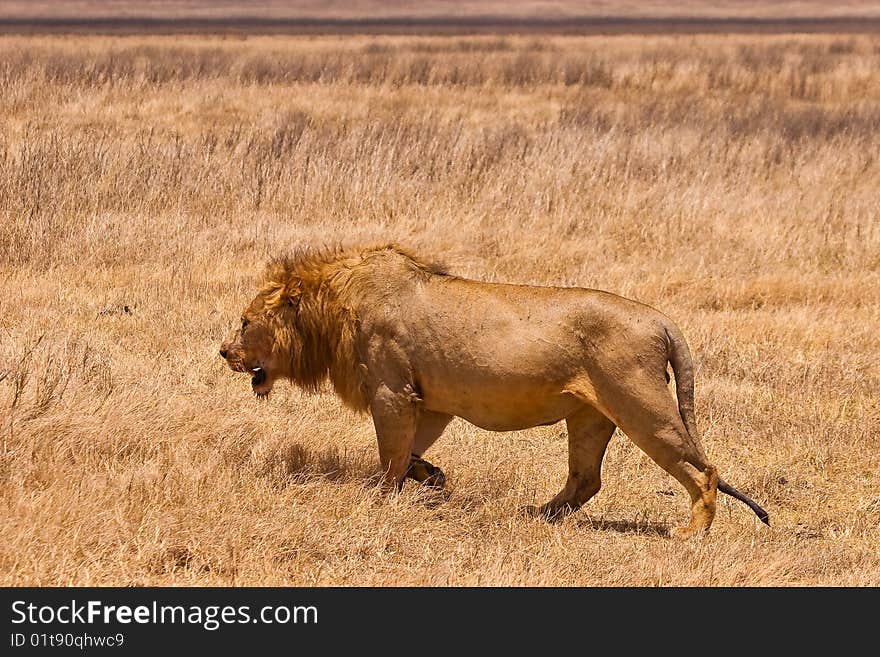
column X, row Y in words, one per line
column 224, row 351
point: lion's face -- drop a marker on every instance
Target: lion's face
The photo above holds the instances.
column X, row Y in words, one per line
column 253, row 348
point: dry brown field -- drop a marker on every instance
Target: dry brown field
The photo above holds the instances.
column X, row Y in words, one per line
column 729, row 180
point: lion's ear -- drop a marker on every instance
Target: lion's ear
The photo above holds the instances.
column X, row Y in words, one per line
column 277, row 294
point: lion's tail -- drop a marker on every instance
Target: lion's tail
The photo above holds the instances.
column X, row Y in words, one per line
column 683, row 368
column 763, row 516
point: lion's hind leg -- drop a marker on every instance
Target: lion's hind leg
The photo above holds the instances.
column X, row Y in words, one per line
column 589, row 433
column 646, row 412
column 702, row 505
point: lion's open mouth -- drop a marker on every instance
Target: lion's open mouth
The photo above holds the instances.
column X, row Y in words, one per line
column 258, row 380
column 259, row 377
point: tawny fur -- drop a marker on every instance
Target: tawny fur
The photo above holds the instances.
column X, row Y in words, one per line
column 402, row 339
column 326, row 286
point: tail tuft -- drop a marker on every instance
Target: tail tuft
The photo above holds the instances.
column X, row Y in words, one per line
column 763, row 516
column 683, row 368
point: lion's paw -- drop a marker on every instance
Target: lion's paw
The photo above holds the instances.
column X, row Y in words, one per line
column 550, row 514
column 685, row 533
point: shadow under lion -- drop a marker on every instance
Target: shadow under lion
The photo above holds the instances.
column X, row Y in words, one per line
column 296, row 463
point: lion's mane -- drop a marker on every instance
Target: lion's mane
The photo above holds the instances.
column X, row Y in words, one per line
column 328, row 291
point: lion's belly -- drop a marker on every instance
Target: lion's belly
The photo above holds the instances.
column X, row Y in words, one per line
column 507, row 409
column 522, row 384
column 506, row 361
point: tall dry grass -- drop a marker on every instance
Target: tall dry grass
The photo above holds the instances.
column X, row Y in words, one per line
column 729, row 180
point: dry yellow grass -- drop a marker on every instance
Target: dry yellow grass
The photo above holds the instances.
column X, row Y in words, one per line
column 731, row 181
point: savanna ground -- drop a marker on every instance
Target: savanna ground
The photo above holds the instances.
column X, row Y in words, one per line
column 731, row 181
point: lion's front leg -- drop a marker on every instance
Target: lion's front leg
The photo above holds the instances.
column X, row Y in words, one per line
column 429, row 427
column 394, row 417
column 425, row 473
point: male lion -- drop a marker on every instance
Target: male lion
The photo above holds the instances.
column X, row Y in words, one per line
column 416, row 346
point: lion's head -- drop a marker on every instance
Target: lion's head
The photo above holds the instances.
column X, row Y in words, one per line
column 293, row 329
column 302, row 324
column 255, row 347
